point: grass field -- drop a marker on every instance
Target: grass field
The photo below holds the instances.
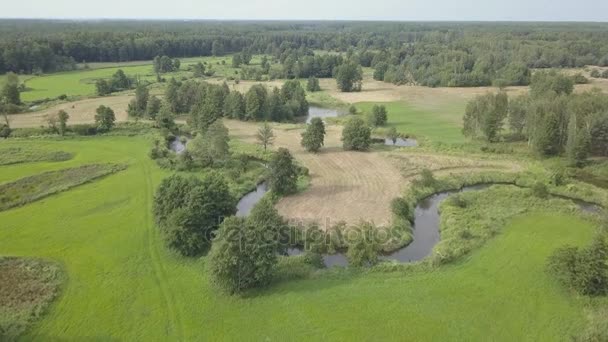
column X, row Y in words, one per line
column 82, row 82
column 123, row 284
column 442, row 125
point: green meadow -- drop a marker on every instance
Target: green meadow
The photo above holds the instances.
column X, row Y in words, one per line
column 443, row 124
column 124, row 285
column 82, row 82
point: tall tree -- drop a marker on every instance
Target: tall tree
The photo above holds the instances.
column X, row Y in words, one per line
column 265, row 135
column 283, row 174
column 356, row 135
column 314, row 135
column 104, row 118
column 349, row 77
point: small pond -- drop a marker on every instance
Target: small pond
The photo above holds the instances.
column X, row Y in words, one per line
column 400, row 142
column 318, row 112
column 177, row 145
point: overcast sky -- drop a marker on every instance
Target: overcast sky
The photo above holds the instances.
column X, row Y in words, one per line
column 533, row 10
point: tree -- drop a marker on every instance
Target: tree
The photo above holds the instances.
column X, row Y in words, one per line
column 190, row 210
column 379, row 115
column 265, row 135
column 485, row 115
column 199, row 70
column 63, row 117
column 392, row 135
column 10, row 92
column 314, row 135
column 103, row 87
column 137, row 106
column 255, row 102
column 349, row 77
column 294, row 97
column 218, row 138
column 578, row 144
column 153, row 107
column 234, row 105
column 283, row 174
column 518, row 113
column 236, row 60
column 244, row 253
column 104, row 118
column 312, row 84
column 176, row 64
column 164, row 118
column 171, row 95
column 120, row 81
column 5, row 127
column 380, row 70
column 356, row 135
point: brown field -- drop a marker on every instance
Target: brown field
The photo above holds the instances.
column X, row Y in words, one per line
column 82, row 111
column 350, row 186
column 26, row 288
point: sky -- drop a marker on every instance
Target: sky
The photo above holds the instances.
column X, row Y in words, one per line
column 400, row 10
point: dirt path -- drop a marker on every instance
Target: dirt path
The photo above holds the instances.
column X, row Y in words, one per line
column 82, row 111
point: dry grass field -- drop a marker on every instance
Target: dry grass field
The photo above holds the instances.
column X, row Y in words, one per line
column 350, row 186
column 81, row 112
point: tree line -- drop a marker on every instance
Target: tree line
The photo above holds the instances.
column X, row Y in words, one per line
column 446, row 54
column 551, row 118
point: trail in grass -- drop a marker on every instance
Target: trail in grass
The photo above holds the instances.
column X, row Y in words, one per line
column 176, row 327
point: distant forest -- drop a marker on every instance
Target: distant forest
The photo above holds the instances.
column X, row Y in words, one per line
column 431, row 54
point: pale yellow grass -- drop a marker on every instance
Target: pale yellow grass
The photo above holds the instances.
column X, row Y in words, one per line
column 351, row 186
column 81, row 112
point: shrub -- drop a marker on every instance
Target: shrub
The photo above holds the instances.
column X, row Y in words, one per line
column 426, row 179
column 84, row 129
column 457, row 200
column 363, row 249
column 539, row 189
column 400, row 207
column 584, row 270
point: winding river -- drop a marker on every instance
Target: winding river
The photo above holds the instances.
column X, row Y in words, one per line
column 425, row 228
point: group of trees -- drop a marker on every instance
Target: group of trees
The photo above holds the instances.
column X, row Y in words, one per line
column 119, row 81
column 550, row 118
column 596, row 73
column 144, row 105
column 189, row 210
column 163, row 64
column 206, row 102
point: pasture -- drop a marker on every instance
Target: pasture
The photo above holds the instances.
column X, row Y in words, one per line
column 118, row 271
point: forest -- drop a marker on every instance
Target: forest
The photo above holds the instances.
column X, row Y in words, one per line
column 431, row 54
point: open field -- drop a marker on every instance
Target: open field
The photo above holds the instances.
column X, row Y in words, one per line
column 349, row 186
column 82, row 82
column 82, row 111
column 124, row 285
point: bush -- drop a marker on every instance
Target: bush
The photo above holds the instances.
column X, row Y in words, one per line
column 363, row 249
column 426, row 180
column 400, row 208
column 584, row 270
column 457, row 200
column 84, row 129
column 539, row 189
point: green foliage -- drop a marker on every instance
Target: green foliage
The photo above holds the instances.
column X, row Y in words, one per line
column 552, row 81
column 401, row 208
column 312, row 84
column 540, row 190
column 380, row 71
column 392, row 134
column 164, row 119
column 137, row 106
column 255, row 102
column 356, row 135
column 153, row 107
column 10, row 91
column 33, row 188
column 584, row 270
column 243, row 255
column 314, row 135
column 282, row 173
column 352, row 110
column 189, row 210
column 18, row 155
column 234, row 105
column 265, row 135
column 485, row 116
column 426, row 179
column 363, row 247
column 164, row 64
column 378, row 116
column 210, row 147
column 104, row 118
column 349, row 77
